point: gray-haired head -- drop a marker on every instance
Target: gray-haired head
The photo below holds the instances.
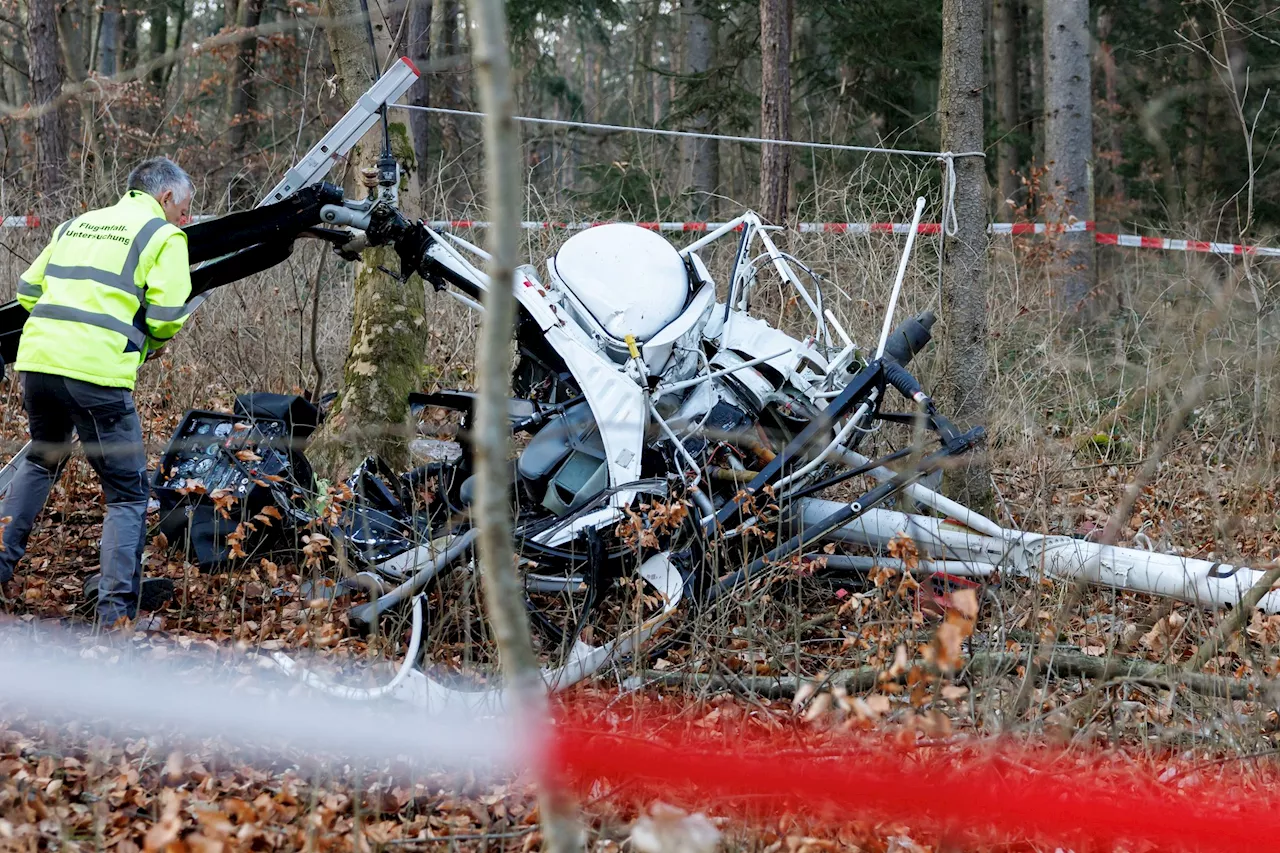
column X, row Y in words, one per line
column 160, row 174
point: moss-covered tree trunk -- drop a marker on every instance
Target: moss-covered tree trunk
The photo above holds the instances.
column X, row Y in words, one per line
column 388, row 326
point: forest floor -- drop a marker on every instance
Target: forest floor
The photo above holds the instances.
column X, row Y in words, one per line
column 67, row 786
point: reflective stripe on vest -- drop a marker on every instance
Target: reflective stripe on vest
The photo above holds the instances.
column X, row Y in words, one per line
column 125, row 279
column 117, row 280
column 26, row 288
column 161, row 314
column 89, row 318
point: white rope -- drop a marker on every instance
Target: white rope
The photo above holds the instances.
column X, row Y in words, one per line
column 690, row 134
column 950, row 223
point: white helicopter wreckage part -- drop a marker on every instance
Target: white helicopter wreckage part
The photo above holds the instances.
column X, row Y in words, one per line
column 412, row 685
column 638, row 327
column 615, row 399
column 426, row 562
column 594, row 354
column 289, row 666
column 972, row 537
column 623, row 279
column 1196, row 581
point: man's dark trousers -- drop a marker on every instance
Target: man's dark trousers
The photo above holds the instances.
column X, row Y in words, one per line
column 106, row 422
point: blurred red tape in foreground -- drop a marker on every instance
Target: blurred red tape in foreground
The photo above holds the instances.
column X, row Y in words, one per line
column 976, row 792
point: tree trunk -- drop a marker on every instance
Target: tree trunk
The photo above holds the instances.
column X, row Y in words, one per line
column 242, row 101
column 76, row 41
column 388, row 324
column 1197, row 129
column 1068, row 146
column 1231, row 52
column 965, row 384
column 52, row 144
column 591, row 50
column 636, row 76
column 178, row 26
column 504, row 597
column 1004, row 62
column 702, row 156
column 109, row 41
column 564, row 146
column 129, row 38
column 656, row 50
column 775, row 108
column 159, row 41
column 418, row 43
column 1031, row 81
column 449, row 47
column 19, row 81
column 1111, row 129
column 74, row 37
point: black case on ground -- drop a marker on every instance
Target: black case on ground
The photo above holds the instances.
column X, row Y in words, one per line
column 253, row 459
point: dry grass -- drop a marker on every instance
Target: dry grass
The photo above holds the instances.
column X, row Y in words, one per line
column 1171, row 317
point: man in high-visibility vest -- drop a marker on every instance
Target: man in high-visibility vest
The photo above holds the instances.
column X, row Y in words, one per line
column 107, row 292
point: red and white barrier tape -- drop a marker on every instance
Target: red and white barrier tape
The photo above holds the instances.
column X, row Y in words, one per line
column 995, row 793
column 1136, row 241
column 803, row 227
column 1016, row 229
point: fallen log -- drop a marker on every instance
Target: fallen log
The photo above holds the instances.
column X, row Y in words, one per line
column 1059, row 664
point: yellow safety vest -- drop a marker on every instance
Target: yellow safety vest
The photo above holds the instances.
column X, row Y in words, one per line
column 110, row 287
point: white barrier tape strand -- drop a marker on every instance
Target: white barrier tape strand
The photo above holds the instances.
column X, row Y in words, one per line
column 57, row 677
column 803, row 227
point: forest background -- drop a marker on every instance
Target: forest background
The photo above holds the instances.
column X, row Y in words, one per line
column 1083, row 396
column 1172, row 136
column 234, row 89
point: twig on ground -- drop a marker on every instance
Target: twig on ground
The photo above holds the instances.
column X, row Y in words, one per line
column 1062, row 665
column 477, row 836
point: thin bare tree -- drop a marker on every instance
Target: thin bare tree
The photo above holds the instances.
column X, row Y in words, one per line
column 418, row 46
column 504, row 598
column 702, row 156
column 242, row 101
column 1004, row 71
column 775, row 108
column 1068, row 145
column 241, row 92
column 966, row 374
column 52, row 144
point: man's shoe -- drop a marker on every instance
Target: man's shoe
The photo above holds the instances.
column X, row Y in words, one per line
column 156, row 593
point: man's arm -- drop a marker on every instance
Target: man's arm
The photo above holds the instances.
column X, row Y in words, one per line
column 168, row 289
column 31, row 282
